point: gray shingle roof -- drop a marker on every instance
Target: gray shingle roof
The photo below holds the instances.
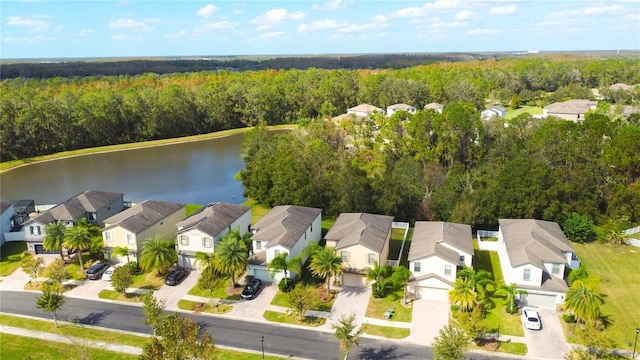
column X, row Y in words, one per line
column 534, row 241
column 400, row 107
column 434, row 106
column 142, row 216
column 428, row 237
column 285, row 224
column 364, row 108
column 368, row 230
column 213, row 219
column 573, row 107
column 75, row 207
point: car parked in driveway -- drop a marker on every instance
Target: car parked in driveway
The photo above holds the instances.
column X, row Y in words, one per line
column 251, row 289
column 107, row 274
column 531, row 319
column 176, row 276
column 95, row 271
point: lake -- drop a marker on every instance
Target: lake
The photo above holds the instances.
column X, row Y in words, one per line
column 199, row 172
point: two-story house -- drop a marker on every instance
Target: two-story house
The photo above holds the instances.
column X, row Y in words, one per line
column 94, row 206
column 535, row 255
column 494, row 111
column 361, row 240
column 438, row 250
column 140, row 222
column 203, row 230
column 285, row 229
column 392, row 109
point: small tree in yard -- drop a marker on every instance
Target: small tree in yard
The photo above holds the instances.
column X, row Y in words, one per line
column 152, row 309
column 32, row 266
column 51, row 300
column 121, row 279
column 208, row 281
column 179, row 338
column 578, row 228
column 302, row 298
column 58, row 271
column 450, row 344
column 347, row 333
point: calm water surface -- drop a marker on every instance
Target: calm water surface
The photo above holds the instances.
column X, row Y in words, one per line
column 198, row 172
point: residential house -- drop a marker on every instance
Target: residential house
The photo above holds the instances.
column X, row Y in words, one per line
column 434, row 106
column 140, row 222
column 14, row 213
column 573, row 110
column 203, row 230
column 364, row 110
column 494, row 111
column 285, row 229
column 535, row 255
column 94, row 206
column 438, row 250
column 400, row 107
column 361, row 240
column 620, row 86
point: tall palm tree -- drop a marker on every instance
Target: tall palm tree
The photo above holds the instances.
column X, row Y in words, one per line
column 583, row 302
column 479, row 279
column 54, row 236
column 378, row 274
column 205, row 260
column 121, row 251
column 157, row 254
column 463, row 294
column 326, row 263
column 280, row 263
column 511, row 291
column 231, row 255
column 78, row 238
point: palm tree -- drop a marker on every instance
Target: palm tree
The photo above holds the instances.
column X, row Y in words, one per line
column 378, row 274
column 479, row 279
column 121, row 251
column 326, row 263
column 511, row 291
column 231, row 255
column 157, row 254
column 78, row 238
column 280, row 263
column 583, row 302
column 463, row 294
column 54, row 236
column 207, row 261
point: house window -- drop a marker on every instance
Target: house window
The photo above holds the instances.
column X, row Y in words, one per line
column 462, row 258
column 107, row 237
column 35, row 230
column 184, row 240
column 417, row 266
column 206, row 242
column 555, row 270
column 447, row 270
column 527, row 274
column 344, row 255
column 258, row 245
column 130, row 239
column 371, row 259
column 277, row 252
column 92, row 216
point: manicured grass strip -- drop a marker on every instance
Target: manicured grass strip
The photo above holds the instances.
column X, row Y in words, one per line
column 282, row 299
column 220, row 292
column 208, row 308
column 506, row 347
column 498, row 317
column 489, row 261
column 376, row 307
column 19, row 347
column 386, row 331
column 10, row 256
column 73, row 330
column 113, row 295
column 295, row 320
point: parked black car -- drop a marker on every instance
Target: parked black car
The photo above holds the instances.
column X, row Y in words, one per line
column 176, row 276
column 95, row 271
column 251, row 289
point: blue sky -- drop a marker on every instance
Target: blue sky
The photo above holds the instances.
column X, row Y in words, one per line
column 93, row 28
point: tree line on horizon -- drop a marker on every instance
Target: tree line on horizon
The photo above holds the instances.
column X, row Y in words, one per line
column 45, row 116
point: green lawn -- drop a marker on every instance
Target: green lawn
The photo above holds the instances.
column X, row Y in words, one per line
column 533, row 110
column 617, row 268
column 208, row 308
column 275, row 316
column 386, row 331
column 376, row 307
column 396, row 243
column 190, row 209
column 489, row 261
column 19, row 347
column 10, row 256
column 497, row 317
column 113, row 295
column 257, row 211
column 507, row 347
column 282, row 299
column 150, row 281
column 220, row 292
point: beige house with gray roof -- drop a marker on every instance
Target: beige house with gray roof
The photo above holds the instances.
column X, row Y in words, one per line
column 133, row 226
column 202, row 231
column 536, row 255
column 285, row 229
column 361, row 240
column 434, row 106
column 573, row 110
column 438, row 250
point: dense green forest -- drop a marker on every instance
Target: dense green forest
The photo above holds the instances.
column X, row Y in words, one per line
column 44, row 116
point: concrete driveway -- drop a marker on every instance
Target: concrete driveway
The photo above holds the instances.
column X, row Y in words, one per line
column 254, row 309
column 173, row 294
column 549, row 342
column 349, row 300
column 428, row 317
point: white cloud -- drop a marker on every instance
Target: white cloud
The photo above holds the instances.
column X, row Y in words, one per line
column 482, row 31
column 134, row 25
column 84, row 32
column 600, row 10
column 273, row 17
column 333, row 5
column 321, row 25
column 29, row 40
column 503, row 10
column 204, row 28
column 272, row 35
column 207, row 11
column 380, row 18
column 409, row 12
column 363, row 27
column 435, row 26
column 35, row 24
column 426, row 8
column 466, row 14
column 442, row 4
column 125, row 37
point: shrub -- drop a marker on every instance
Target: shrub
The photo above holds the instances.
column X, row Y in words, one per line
column 285, row 285
column 455, row 308
column 133, row 268
column 569, row 318
column 378, row 291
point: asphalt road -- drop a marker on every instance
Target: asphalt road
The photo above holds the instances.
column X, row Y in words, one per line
column 283, row 340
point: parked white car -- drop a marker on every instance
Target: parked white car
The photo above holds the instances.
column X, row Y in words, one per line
column 107, row 274
column 531, row 319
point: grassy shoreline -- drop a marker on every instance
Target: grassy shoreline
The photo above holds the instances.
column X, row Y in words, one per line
column 14, row 164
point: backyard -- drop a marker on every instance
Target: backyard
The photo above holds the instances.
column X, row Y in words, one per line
column 10, row 256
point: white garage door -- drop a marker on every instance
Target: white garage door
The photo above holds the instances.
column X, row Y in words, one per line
column 354, row 280
column 262, row 274
column 427, row 293
column 187, row 262
column 548, row 301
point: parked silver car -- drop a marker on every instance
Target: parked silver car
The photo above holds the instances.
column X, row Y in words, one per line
column 531, row 319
